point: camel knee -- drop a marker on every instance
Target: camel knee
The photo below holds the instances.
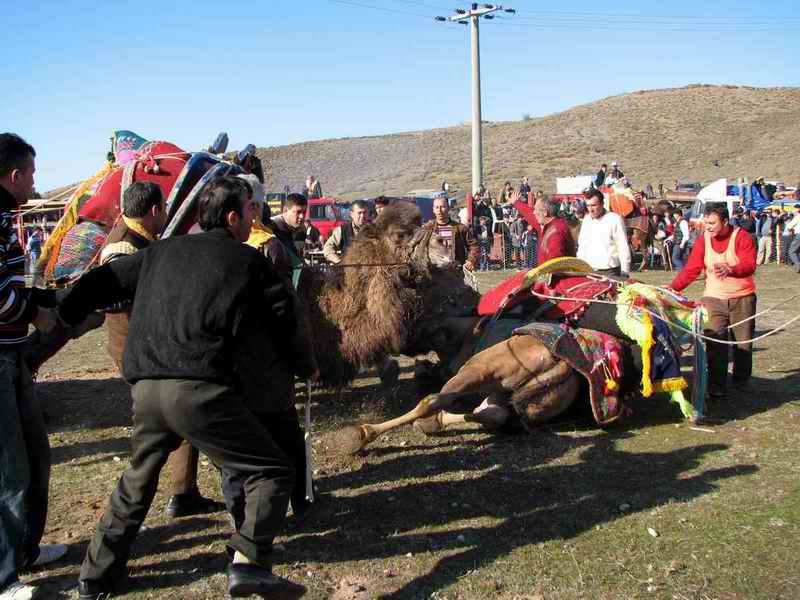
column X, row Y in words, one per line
column 490, row 416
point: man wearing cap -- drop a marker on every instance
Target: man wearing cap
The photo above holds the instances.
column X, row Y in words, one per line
column 794, row 248
column 727, row 256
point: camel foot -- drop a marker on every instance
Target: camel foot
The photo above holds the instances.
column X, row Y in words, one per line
column 430, row 425
column 349, row 440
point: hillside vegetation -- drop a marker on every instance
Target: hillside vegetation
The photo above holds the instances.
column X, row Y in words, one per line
column 655, row 135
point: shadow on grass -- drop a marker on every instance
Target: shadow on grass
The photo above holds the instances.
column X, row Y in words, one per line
column 82, row 404
column 512, row 483
column 153, row 542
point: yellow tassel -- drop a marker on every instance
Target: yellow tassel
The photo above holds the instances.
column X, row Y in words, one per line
column 647, row 345
column 611, row 385
column 672, row 384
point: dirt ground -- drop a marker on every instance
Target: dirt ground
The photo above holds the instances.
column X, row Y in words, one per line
column 649, row 508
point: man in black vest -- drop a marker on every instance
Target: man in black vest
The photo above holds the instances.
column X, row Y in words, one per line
column 206, row 306
column 341, row 237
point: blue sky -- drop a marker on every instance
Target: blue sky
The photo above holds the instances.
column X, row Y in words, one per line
column 273, row 72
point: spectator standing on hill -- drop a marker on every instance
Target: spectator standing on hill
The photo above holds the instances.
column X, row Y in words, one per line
column 342, row 236
column 727, row 256
column 603, row 242
column 681, row 237
column 600, row 178
column 24, row 446
column 459, row 241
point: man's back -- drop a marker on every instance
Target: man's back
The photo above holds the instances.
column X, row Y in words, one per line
column 193, row 294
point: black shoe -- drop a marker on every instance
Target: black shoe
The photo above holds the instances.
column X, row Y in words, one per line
column 248, row 579
column 91, row 590
column 183, row 505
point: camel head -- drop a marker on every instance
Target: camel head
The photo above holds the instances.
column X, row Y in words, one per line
column 399, row 230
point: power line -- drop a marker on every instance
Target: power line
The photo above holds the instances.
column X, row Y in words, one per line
column 382, row 8
column 643, row 16
column 611, row 27
column 425, row 4
column 634, row 21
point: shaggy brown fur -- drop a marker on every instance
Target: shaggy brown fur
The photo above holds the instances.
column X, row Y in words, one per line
column 360, row 315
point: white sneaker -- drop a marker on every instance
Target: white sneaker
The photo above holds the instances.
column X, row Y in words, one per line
column 19, row 591
column 48, row 553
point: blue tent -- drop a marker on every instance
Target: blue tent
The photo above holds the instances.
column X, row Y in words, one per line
column 757, row 199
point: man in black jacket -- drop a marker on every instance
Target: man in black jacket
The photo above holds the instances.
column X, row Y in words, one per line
column 204, row 306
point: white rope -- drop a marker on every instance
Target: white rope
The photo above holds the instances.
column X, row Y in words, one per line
column 675, row 325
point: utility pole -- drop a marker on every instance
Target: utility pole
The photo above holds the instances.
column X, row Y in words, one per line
column 472, row 16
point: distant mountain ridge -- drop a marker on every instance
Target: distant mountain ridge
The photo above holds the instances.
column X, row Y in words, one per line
column 657, row 136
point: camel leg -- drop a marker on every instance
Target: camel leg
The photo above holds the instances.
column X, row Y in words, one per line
column 492, row 414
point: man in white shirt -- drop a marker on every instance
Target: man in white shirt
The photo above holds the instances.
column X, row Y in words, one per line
column 603, row 242
column 794, row 248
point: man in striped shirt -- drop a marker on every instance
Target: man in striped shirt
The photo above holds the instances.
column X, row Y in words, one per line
column 24, row 448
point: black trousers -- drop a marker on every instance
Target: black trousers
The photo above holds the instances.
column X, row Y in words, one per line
column 284, row 429
column 213, row 418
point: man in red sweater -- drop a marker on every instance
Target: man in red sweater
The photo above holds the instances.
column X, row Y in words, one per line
column 727, row 255
column 553, row 236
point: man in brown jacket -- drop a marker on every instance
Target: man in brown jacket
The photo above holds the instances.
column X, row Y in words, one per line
column 457, row 238
column 143, row 217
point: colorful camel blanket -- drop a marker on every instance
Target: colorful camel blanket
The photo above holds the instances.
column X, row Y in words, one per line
column 597, row 356
column 658, row 320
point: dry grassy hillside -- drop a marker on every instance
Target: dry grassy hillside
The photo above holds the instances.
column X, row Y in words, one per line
column 657, row 136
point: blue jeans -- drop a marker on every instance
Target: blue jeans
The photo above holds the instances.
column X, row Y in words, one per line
column 678, row 257
column 24, row 468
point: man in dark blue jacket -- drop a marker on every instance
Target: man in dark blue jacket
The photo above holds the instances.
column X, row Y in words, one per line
column 204, row 305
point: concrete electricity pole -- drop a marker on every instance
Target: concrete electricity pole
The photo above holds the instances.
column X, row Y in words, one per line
column 472, row 15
